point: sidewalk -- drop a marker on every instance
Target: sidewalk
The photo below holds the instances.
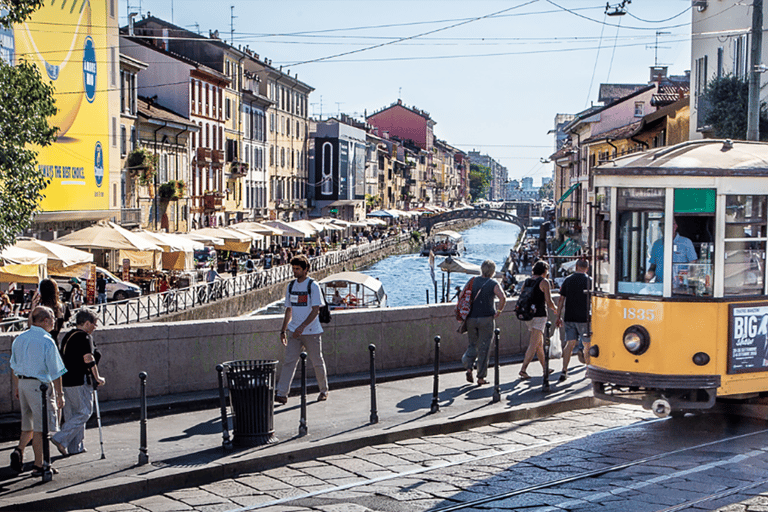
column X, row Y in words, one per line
column 185, row 449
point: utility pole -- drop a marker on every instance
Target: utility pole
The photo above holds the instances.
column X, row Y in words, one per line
column 232, row 25
column 753, row 112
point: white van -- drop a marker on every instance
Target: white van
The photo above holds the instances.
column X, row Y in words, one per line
column 117, row 289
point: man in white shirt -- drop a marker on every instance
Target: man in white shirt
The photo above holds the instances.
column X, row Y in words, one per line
column 301, row 328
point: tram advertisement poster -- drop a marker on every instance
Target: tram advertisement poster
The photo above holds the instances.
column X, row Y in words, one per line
column 748, row 338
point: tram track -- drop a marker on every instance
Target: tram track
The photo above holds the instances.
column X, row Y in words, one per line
column 532, row 488
column 619, row 467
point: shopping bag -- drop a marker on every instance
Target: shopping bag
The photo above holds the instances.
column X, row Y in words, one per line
column 555, row 348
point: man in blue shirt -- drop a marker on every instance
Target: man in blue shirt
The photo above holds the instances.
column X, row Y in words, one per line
column 35, row 360
column 682, row 252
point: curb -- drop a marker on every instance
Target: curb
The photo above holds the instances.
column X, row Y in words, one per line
column 134, row 487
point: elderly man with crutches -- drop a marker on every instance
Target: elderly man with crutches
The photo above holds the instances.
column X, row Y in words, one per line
column 82, row 377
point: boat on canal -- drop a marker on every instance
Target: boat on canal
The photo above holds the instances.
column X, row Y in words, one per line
column 444, row 243
column 353, row 290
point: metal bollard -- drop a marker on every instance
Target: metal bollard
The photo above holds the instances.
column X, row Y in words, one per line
column 143, row 454
column 427, row 290
column 374, row 412
column 435, row 402
column 47, row 471
column 496, row 371
column 227, row 442
column 545, row 378
column 303, row 418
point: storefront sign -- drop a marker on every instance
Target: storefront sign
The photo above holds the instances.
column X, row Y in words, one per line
column 90, row 287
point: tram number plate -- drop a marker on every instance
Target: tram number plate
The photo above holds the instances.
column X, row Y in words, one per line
column 640, row 314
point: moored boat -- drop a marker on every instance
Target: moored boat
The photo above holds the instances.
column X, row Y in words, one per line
column 351, row 290
column 444, row 243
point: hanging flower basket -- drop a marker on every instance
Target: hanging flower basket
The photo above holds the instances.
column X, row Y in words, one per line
column 141, row 163
column 173, row 190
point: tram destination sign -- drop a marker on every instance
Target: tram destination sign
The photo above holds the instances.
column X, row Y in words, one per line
column 748, row 338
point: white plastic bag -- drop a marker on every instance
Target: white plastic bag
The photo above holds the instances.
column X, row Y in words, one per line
column 555, row 347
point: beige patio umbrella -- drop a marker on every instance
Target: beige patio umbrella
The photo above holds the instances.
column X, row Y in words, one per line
column 17, row 256
column 289, row 230
column 204, row 239
column 109, row 236
column 62, row 260
column 257, row 227
column 234, row 240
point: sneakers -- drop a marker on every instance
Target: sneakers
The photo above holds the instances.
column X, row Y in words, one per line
column 281, row 399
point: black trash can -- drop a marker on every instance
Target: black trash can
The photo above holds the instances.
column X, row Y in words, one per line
column 252, row 397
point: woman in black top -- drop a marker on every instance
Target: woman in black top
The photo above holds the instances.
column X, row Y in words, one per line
column 48, row 295
column 542, row 297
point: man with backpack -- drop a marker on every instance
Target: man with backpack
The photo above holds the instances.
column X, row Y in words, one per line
column 301, row 328
column 532, row 308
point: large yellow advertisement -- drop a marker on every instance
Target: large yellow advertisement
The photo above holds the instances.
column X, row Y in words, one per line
column 67, row 40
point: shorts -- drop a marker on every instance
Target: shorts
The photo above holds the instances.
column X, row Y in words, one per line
column 578, row 331
column 31, row 402
column 537, row 323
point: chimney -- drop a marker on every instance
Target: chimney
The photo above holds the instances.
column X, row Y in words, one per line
column 399, row 101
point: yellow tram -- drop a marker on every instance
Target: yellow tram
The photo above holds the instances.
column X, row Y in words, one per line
column 679, row 306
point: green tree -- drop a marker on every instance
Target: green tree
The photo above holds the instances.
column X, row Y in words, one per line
column 479, row 181
column 547, row 190
column 372, row 201
column 26, row 103
column 725, row 102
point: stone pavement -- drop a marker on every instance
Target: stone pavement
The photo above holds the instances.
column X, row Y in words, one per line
column 185, row 449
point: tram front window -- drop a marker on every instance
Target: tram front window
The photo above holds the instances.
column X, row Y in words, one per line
column 745, row 244
column 641, row 218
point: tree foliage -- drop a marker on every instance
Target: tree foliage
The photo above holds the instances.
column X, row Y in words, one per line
column 479, row 181
column 19, row 11
column 725, row 104
column 26, row 103
column 547, row 190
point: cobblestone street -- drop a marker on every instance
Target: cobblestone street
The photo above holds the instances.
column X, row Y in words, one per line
column 699, row 463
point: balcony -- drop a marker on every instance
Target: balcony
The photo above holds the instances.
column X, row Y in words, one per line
column 130, row 217
column 217, row 156
column 213, row 201
column 203, row 155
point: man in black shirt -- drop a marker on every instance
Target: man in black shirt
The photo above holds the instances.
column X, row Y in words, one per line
column 79, row 357
column 576, row 301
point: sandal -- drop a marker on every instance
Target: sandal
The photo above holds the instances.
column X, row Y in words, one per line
column 524, row 375
column 480, row 382
column 17, row 460
column 470, row 379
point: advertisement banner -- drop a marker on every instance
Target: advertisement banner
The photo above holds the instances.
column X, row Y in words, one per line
column 68, row 43
column 748, row 338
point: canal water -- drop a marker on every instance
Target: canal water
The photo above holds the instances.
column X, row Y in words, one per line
column 406, row 278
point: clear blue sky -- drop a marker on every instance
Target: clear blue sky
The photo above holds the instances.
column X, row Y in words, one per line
column 493, row 74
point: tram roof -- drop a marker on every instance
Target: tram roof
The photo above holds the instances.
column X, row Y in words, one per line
column 706, row 157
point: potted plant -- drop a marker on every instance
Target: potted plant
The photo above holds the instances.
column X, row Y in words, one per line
column 142, row 163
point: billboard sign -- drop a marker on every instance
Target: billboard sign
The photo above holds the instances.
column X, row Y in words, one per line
column 68, row 43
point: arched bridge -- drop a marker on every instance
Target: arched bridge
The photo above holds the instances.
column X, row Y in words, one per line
column 429, row 221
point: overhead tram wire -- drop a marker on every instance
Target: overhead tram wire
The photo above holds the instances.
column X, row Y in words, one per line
column 613, row 53
column 571, row 11
column 597, row 59
column 411, row 37
column 659, row 21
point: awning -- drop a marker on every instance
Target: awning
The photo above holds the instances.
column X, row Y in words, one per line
column 568, row 192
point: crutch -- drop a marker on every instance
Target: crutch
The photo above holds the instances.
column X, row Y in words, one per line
column 98, row 416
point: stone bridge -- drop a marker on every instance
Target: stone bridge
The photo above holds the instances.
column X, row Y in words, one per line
column 430, row 221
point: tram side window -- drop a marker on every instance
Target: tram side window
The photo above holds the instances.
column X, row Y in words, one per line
column 693, row 253
column 745, row 244
column 641, row 219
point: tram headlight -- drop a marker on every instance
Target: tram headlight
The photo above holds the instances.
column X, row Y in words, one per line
column 636, row 339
